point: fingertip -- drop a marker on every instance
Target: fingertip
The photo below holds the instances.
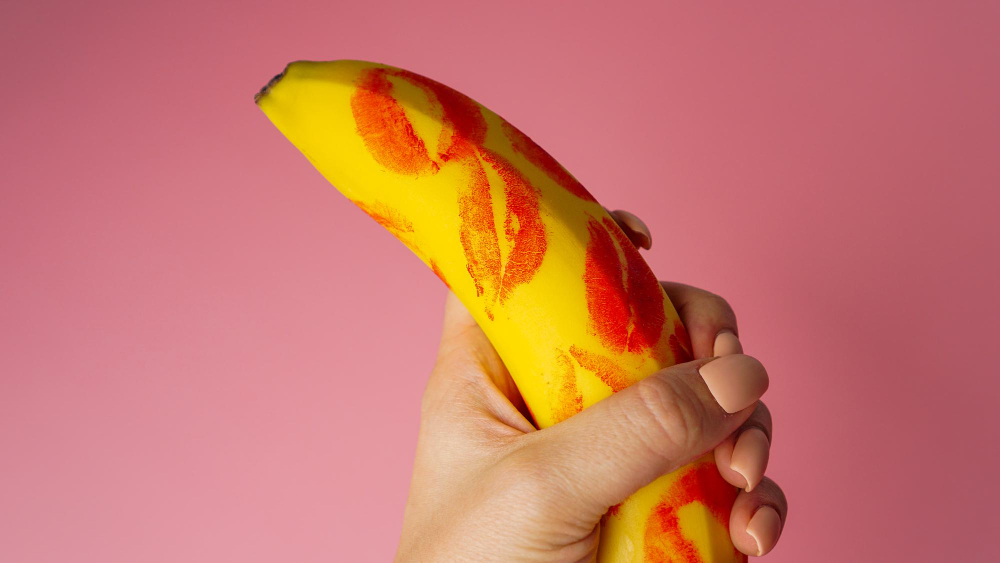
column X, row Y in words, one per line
column 723, row 461
column 634, row 228
column 749, row 456
column 726, row 343
column 736, row 381
column 758, row 518
column 764, row 527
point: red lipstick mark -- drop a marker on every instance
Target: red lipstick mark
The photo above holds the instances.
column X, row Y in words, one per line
column 624, row 298
column 464, row 129
column 394, row 222
column 543, row 160
column 462, row 141
column 523, row 225
column 567, row 399
column 387, row 132
column 607, row 300
column 603, row 367
column 461, row 115
column 478, row 233
column 437, row 272
column 391, row 219
column 494, row 275
column 645, row 294
column 664, row 540
column 612, row 511
column 390, row 138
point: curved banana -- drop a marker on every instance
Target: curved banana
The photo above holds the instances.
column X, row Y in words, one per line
column 567, row 301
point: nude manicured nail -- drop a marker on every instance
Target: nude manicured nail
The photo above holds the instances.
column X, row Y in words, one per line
column 764, row 528
column 645, row 239
column 750, row 456
column 736, row 381
column 726, row 343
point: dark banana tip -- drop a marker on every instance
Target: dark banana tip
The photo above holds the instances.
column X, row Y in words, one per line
column 267, row 87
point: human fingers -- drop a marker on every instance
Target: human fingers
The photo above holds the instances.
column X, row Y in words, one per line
column 757, row 518
column 610, row 450
column 708, row 318
column 742, row 457
column 634, row 228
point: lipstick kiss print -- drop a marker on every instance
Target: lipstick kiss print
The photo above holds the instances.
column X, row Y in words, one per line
column 664, row 539
column 496, row 270
column 624, row 298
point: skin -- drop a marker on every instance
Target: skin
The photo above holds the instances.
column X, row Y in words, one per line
column 488, row 486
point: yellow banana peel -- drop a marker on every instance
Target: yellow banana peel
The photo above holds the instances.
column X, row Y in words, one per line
column 567, row 301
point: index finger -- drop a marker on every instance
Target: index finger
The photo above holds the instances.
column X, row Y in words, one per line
column 634, row 228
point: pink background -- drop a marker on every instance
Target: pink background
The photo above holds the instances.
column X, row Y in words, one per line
column 207, row 354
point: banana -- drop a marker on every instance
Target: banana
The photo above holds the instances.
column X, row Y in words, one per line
column 567, row 301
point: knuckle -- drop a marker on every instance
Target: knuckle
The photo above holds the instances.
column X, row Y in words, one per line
column 717, row 305
column 762, row 411
column 719, row 302
column 674, row 416
column 762, row 415
column 771, row 493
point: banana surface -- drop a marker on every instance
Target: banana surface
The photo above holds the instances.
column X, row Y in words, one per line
column 567, row 301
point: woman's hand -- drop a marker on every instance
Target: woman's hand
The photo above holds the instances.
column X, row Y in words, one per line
column 488, row 486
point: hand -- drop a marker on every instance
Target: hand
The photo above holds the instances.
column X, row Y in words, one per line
column 488, row 486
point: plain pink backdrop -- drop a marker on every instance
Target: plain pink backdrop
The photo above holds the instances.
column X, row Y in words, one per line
column 208, row 354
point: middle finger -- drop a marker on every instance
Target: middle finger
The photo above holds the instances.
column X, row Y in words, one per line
column 742, row 457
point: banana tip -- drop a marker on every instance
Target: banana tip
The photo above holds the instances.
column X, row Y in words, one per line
column 267, row 87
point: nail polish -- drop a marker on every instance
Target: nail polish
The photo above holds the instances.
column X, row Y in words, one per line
column 764, row 527
column 726, row 343
column 750, row 456
column 736, row 381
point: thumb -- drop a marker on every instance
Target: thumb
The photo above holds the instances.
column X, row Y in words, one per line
column 612, row 449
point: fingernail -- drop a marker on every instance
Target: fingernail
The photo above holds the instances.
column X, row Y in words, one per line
column 736, row 381
column 726, row 343
column 764, row 528
column 750, row 456
column 645, row 239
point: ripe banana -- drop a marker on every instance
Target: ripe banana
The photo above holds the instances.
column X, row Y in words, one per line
column 567, row 301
